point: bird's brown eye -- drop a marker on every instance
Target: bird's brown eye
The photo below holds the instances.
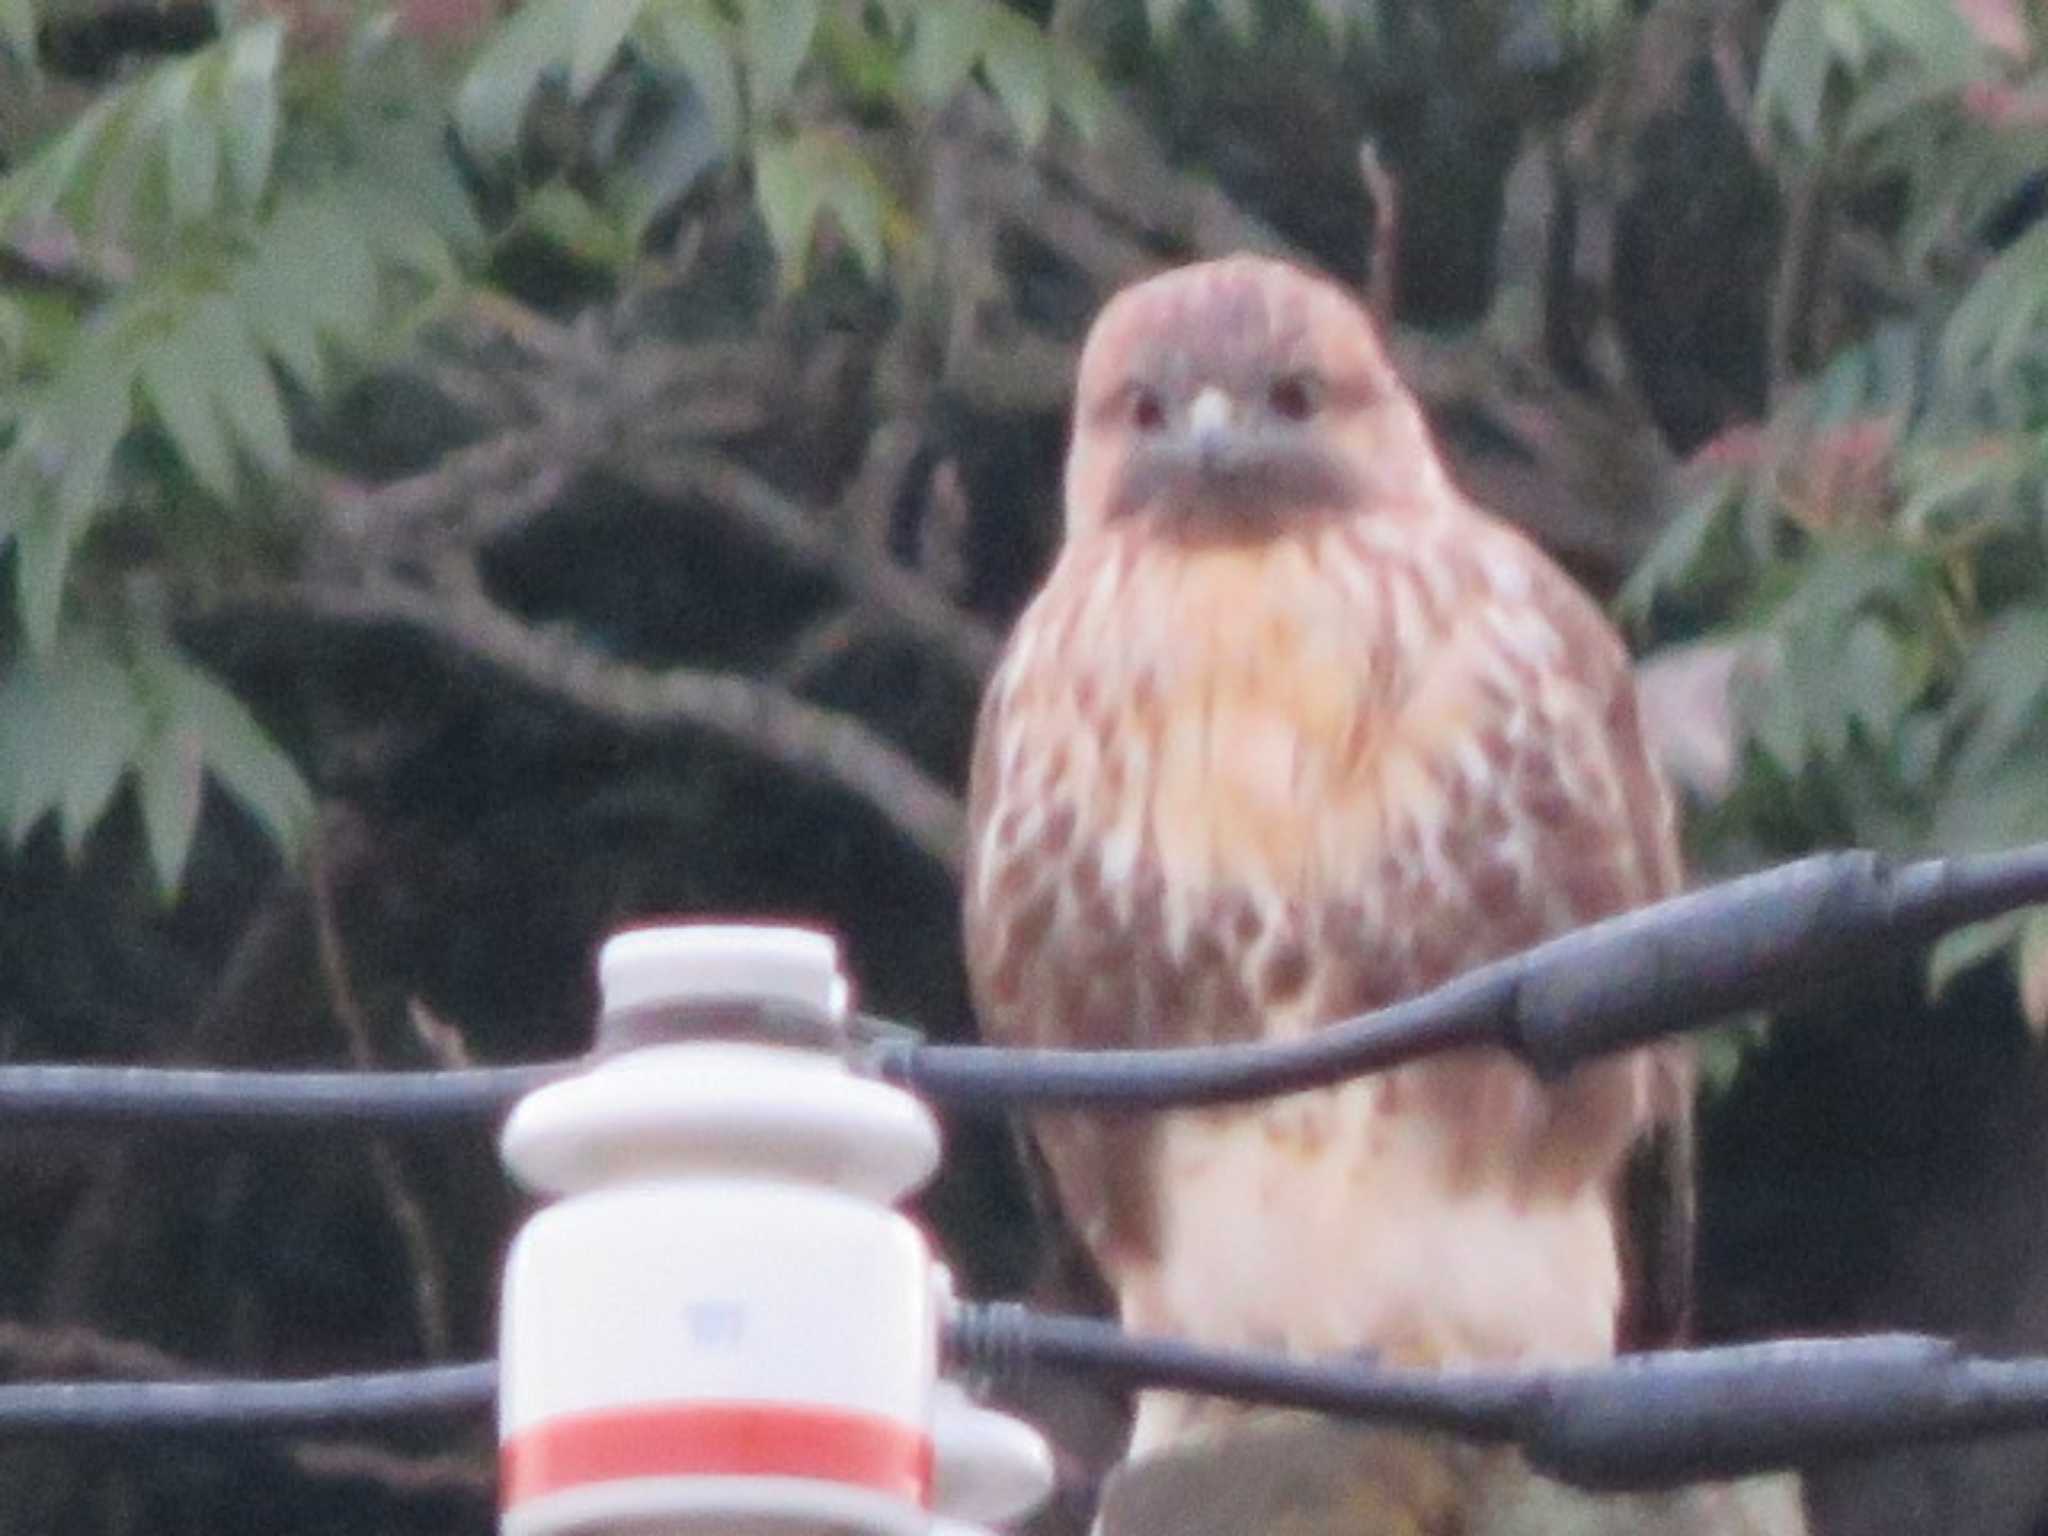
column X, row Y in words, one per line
column 1148, row 411
column 1294, row 396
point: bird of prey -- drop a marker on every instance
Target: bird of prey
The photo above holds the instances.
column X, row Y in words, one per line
column 1294, row 730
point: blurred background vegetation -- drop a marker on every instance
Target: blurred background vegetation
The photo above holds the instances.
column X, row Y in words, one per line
column 472, row 475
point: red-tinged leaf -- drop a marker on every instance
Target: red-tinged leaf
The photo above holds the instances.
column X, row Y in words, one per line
column 1997, row 24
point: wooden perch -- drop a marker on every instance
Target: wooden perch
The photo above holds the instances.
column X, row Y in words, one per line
column 1293, row 1474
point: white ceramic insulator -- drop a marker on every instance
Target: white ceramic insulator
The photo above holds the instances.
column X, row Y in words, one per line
column 724, row 1327
column 696, row 962
column 723, row 1107
column 991, row 1468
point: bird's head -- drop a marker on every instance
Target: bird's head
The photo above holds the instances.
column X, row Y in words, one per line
column 1235, row 399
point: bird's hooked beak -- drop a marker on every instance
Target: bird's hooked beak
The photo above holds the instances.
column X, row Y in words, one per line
column 1210, row 429
column 1209, row 422
column 1222, row 462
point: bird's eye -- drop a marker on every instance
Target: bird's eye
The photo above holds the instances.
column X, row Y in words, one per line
column 1294, row 396
column 1148, row 411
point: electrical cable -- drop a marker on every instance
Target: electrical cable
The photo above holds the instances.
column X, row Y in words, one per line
column 122, row 1408
column 1657, row 970
column 1643, row 1421
column 1660, row 969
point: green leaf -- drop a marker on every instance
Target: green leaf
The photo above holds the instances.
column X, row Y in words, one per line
column 1872, row 678
column 491, row 107
column 53, row 174
column 276, row 312
column 1335, row 18
column 238, row 751
column 32, row 765
column 1889, row 102
column 89, row 415
column 316, row 249
column 1241, row 16
column 13, row 333
column 693, row 39
column 101, row 725
column 573, row 225
column 1675, row 559
column 789, row 199
column 796, row 180
column 604, row 27
column 406, row 244
column 1078, row 93
column 679, row 145
column 218, row 342
column 1018, row 60
column 181, row 396
column 1791, row 81
column 899, row 13
column 2002, row 694
column 1162, row 16
column 70, row 722
column 41, row 567
column 18, row 33
column 1998, row 808
column 853, row 194
column 170, row 785
column 1934, row 36
column 947, row 41
column 126, row 180
column 863, row 63
column 1964, row 949
column 1848, row 38
column 2003, row 313
column 192, row 164
column 249, row 103
column 778, row 40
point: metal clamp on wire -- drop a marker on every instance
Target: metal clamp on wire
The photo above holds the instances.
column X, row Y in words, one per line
column 723, row 1322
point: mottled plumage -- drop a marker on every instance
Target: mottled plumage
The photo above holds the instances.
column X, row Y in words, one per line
column 1292, row 731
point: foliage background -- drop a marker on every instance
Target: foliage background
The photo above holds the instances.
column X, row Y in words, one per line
column 471, row 476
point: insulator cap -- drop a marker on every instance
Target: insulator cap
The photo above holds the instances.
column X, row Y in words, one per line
column 771, row 985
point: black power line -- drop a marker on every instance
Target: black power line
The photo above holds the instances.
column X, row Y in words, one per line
column 1657, row 970
column 125, row 1408
column 1641, row 1422
column 166, row 1097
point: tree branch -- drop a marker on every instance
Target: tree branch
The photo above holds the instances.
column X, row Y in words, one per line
column 890, row 592
column 820, row 743
column 408, row 1215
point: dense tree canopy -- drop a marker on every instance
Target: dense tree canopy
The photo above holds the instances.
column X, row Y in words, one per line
column 475, row 474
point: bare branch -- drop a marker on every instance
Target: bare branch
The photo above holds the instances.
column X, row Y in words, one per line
column 68, row 1350
column 903, row 599
column 1383, row 260
column 758, row 717
column 449, row 1474
column 415, row 1232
